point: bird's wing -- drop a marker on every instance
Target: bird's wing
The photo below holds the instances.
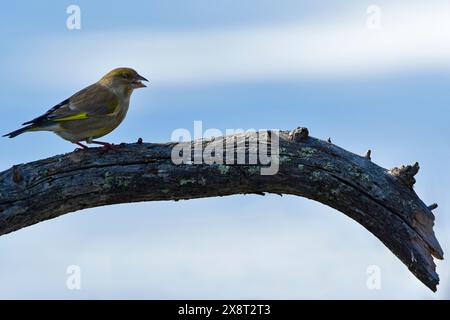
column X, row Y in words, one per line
column 92, row 101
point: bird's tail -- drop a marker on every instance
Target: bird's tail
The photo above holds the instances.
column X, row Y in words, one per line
column 13, row 134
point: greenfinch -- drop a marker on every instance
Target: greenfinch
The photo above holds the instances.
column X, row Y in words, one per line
column 90, row 113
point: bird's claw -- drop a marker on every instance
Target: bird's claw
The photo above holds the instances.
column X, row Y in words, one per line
column 106, row 146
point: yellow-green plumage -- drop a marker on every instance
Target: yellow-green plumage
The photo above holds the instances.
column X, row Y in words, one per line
column 92, row 112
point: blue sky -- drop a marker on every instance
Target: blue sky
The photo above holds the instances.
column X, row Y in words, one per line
column 246, row 64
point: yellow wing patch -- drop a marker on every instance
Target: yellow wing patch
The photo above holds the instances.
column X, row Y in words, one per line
column 79, row 116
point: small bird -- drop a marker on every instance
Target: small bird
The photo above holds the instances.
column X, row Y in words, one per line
column 90, row 113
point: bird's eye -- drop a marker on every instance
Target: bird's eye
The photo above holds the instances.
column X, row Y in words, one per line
column 125, row 75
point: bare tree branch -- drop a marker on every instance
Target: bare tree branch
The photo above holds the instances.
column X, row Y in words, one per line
column 383, row 201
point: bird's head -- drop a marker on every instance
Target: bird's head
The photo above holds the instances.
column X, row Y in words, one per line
column 123, row 78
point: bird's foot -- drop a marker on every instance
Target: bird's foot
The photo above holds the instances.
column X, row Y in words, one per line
column 106, row 146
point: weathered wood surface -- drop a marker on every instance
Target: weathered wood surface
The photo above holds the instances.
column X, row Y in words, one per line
column 381, row 200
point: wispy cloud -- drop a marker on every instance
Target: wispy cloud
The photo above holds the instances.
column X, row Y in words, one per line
column 412, row 37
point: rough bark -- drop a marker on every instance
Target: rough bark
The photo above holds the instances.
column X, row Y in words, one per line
column 381, row 200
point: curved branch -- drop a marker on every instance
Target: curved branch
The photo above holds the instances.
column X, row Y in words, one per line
column 383, row 201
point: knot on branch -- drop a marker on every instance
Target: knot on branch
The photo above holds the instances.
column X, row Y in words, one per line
column 299, row 134
column 433, row 206
column 406, row 174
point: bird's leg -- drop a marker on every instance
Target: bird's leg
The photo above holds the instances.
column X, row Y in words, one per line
column 81, row 145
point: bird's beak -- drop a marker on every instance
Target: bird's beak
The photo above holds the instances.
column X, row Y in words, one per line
column 137, row 83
